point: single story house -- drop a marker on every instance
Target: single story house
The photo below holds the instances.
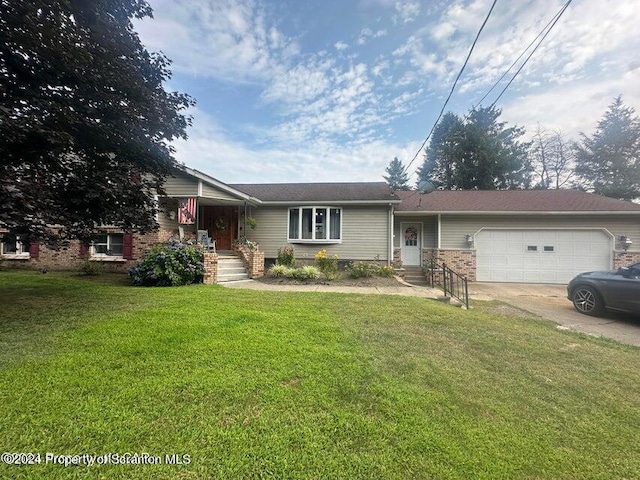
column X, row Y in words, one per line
column 532, row 236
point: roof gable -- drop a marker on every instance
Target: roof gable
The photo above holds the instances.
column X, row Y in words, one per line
column 492, row 201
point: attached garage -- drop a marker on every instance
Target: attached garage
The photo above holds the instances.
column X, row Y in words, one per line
column 540, row 255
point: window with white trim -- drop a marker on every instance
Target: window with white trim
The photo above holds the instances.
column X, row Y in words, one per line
column 12, row 246
column 315, row 224
column 107, row 245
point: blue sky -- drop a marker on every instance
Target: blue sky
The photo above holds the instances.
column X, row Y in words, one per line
column 329, row 90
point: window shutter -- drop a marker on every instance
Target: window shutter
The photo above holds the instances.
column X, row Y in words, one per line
column 127, row 246
column 34, row 249
column 84, row 248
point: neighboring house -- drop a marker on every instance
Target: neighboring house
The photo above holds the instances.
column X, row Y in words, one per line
column 543, row 236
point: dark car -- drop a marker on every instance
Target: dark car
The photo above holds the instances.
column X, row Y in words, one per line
column 593, row 292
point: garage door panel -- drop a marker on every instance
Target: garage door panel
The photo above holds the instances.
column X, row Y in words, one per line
column 520, row 255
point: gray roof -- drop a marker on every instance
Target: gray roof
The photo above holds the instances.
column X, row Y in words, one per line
column 365, row 192
column 511, row 201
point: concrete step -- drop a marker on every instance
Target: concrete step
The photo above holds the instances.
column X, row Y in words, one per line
column 231, row 263
column 232, row 277
column 230, row 270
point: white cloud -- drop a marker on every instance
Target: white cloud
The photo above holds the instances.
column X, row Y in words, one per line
column 366, row 35
column 340, row 46
column 408, row 11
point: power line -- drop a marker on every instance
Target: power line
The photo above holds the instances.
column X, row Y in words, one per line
column 557, row 15
column 406, row 169
column 532, row 52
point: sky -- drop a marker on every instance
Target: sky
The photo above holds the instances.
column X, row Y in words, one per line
column 333, row 90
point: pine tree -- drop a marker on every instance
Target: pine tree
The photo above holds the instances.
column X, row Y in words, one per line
column 396, row 176
column 608, row 161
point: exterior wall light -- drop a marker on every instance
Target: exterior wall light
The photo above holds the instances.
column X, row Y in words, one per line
column 625, row 242
column 468, row 238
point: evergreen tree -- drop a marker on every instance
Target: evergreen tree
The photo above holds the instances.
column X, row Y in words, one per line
column 478, row 152
column 608, row 162
column 396, row 176
column 441, row 154
column 85, row 122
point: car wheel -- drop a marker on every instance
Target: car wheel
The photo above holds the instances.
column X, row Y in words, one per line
column 587, row 300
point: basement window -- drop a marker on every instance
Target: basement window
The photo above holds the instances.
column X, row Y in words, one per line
column 549, row 248
column 532, row 248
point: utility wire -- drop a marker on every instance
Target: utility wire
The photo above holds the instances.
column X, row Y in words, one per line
column 523, row 52
column 406, row 169
column 566, row 5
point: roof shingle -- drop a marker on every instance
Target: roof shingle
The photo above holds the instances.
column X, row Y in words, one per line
column 319, row 192
column 510, row 201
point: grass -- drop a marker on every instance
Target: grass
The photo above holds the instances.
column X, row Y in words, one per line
column 257, row 384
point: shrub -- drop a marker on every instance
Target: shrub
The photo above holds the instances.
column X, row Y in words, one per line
column 303, row 273
column 279, row 271
column 328, row 264
column 286, row 256
column 91, row 269
column 387, row 271
column 169, row 264
column 361, row 269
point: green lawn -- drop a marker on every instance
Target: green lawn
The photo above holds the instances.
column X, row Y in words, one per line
column 256, row 384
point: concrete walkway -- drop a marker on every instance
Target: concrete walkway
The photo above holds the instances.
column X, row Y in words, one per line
column 401, row 289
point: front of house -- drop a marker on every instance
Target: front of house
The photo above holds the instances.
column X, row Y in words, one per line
column 531, row 236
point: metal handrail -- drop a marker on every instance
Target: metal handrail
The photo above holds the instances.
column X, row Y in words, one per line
column 453, row 284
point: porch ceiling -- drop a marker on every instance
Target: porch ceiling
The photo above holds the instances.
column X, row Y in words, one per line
column 217, row 202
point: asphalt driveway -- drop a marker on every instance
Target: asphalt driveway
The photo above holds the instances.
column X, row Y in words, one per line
column 550, row 302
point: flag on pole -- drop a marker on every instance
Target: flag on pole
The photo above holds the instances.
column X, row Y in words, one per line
column 187, row 211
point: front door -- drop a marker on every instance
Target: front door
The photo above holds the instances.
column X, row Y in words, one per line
column 411, row 243
column 221, row 223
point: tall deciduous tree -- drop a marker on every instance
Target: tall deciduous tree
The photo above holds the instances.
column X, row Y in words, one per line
column 608, row 161
column 85, row 122
column 552, row 159
column 478, row 152
column 396, row 176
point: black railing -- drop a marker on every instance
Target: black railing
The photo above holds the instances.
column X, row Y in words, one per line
column 453, row 284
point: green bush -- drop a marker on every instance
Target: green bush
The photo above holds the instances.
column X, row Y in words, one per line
column 286, row 256
column 169, row 264
column 278, row 271
column 91, row 269
column 362, row 269
column 328, row 264
column 387, row 271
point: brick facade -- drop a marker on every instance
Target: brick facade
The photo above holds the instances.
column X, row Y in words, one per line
column 210, row 268
column 622, row 259
column 462, row 262
column 253, row 260
column 71, row 257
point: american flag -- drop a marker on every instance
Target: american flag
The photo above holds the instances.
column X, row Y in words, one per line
column 187, row 211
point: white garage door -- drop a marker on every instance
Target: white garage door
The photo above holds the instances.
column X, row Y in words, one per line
column 540, row 256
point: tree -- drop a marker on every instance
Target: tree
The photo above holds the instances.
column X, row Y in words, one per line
column 608, row 162
column 552, row 159
column 478, row 152
column 396, row 176
column 441, row 154
column 85, row 122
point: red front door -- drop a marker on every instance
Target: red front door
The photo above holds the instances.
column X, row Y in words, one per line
column 222, row 224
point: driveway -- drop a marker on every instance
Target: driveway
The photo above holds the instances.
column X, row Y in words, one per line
column 550, row 302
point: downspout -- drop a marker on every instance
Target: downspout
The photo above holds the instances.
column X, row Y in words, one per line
column 439, row 231
column 390, row 236
column 244, row 221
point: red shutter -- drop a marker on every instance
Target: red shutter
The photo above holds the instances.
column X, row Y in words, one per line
column 34, row 249
column 127, row 246
column 84, row 248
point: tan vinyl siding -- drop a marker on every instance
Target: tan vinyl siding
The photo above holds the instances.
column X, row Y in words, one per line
column 364, row 234
column 181, row 186
column 429, row 230
column 454, row 227
column 209, row 191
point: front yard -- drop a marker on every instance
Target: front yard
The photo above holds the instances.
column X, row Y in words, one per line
column 253, row 384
